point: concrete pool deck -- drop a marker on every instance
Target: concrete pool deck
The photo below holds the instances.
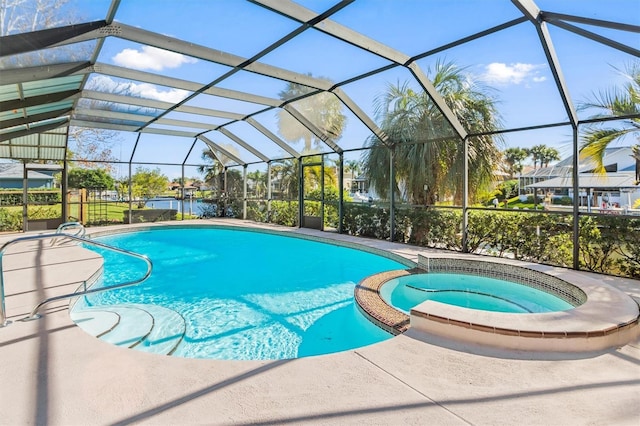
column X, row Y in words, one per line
column 55, row 373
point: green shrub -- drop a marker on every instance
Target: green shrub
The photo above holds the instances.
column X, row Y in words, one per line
column 10, row 220
column 14, row 197
column 284, row 213
column 439, row 228
column 607, row 244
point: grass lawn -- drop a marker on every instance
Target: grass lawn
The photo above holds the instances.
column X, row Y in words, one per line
column 108, row 212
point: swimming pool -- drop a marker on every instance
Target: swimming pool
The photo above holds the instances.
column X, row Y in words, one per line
column 241, row 294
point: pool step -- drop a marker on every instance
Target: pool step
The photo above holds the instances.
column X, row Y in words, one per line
column 132, row 324
column 96, row 322
column 148, row 328
column 135, row 324
column 167, row 333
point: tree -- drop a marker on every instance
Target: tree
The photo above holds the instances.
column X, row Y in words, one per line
column 313, row 175
column 259, row 180
column 90, row 179
column 215, row 163
column 548, row 155
column 286, row 178
column 234, row 183
column 147, row 184
column 354, row 168
column 92, row 147
column 428, row 156
column 536, row 152
column 616, row 101
column 324, row 110
column 212, row 169
column 513, row 157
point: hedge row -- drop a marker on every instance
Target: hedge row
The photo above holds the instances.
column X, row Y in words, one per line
column 607, row 244
column 14, row 198
column 11, row 219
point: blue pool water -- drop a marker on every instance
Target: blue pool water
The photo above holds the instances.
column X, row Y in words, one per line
column 247, row 295
column 469, row 291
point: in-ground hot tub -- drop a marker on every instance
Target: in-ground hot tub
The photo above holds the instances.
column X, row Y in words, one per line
column 596, row 316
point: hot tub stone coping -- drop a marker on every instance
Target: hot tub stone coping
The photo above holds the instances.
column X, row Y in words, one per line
column 592, row 317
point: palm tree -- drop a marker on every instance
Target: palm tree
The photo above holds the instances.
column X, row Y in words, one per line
column 614, row 102
column 429, row 158
column 212, row 169
column 215, row 164
column 324, row 110
column 259, row 180
column 537, row 152
column 354, row 168
column 286, row 177
column 548, row 155
column 513, row 157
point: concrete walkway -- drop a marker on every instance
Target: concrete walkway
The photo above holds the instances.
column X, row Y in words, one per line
column 52, row 372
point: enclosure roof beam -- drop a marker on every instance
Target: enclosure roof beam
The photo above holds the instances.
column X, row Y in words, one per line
column 312, row 128
column 38, row 100
column 141, row 119
column 172, row 44
column 597, row 38
column 36, row 118
column 282, row 144
column 243, row 144
column 102, row 125
column 301, row 14
column 362, row 116
column 552, row 17
column 214, row 55
column 530, row 10
column 152, row 103
column 115, row 115
column 26, row 74
column 147, row 77
column 34, row 129
column 16, row 44
column 129, row 128
column 214, row 146
column 437, row 99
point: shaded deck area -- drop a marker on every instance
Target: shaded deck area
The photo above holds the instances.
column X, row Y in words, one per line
column 55, row 373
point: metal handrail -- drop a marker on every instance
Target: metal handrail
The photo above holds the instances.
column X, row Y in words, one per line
column 80, row 232
column 34, row 312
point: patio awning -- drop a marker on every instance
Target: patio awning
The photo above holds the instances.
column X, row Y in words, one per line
column 611, row 181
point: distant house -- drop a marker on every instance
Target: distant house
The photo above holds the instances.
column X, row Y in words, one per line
column 12, row 175
column 618, row 188
column 359, row 189
column 189, row 189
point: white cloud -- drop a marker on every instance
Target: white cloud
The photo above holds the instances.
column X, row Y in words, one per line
column 151, row 58
column 150, row 91
column 142, row 90
column 503, row 74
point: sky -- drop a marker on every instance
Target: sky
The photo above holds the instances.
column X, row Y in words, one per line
column 511, row 63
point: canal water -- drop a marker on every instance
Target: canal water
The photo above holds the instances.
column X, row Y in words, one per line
column 191, row 206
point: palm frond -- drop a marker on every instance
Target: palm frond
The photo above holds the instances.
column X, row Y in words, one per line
column 596, row 141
